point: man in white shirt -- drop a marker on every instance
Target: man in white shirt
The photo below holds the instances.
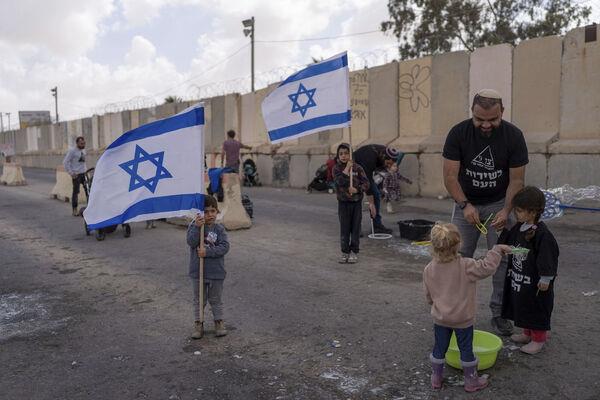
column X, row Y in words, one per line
column 74, row 164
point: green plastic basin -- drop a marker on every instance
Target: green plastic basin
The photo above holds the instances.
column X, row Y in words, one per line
column 486, row 346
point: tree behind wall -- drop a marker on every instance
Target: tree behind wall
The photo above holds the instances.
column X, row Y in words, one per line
column 425, row 27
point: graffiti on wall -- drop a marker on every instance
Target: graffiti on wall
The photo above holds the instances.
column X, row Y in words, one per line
column 411, row 87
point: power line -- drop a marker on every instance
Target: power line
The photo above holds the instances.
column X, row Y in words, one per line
column 318, row 38
column 205, row 71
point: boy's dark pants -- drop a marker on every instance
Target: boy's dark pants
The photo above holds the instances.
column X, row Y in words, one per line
column 350, row 214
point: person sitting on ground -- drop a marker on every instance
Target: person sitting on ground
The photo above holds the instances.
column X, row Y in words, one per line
column 215, row 247
column 349, row 198
column 371, row 158
column 450, row 284
column 529, row 286
column 391, row 186
column 231, row 152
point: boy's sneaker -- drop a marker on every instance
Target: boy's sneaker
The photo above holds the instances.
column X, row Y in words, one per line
column 198, row 330
column 344, row 258
column 389, row 207
column 220, row 328
column 352, row 258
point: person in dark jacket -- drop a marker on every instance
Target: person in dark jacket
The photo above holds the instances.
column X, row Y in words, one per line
column 375, row 157
column 349, row 202
column 215, row 247
column 529, row 286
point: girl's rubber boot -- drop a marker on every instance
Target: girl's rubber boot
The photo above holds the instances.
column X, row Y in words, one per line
column 437, row 371
column 198, row 330
column 473, row 382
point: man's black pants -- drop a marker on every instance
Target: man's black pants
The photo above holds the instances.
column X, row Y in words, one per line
column 78, row 180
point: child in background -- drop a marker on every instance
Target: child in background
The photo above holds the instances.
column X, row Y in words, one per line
column 529, row 287
column 349, row 202
column 215, row 248
column 450, row 283
column 391, row 186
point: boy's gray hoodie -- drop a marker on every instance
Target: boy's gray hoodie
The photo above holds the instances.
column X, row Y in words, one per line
column 216, row 245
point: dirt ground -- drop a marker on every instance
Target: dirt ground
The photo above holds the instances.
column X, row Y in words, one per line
column 81, row 319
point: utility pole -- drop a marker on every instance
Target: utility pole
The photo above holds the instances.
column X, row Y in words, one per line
column 1, row 123
column 249, row 30
column 54, row 92
column 8, row 115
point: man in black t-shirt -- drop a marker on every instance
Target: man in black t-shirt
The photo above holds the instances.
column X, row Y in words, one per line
column 484, row 167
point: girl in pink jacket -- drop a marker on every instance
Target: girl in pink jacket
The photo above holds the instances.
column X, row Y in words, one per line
column 450, row 283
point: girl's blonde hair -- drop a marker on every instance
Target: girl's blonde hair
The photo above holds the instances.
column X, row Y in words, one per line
column 445, row 242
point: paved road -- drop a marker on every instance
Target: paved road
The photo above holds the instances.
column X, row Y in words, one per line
column 81, row 319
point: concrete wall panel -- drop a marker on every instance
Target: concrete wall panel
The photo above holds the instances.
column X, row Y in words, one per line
column 264, row 165
column 536, row 172
column 96, row 131
column 45, row 140
column 359, row 103
column 491, row 67
column 415, row 97
column 536, row 85
column 298, row 171
column 571, row 169
column 580, row 112
column 383, row 103
column 409, row 167
column 134, row 116
column 431, row 180
column 449, row 91
column 87, row 131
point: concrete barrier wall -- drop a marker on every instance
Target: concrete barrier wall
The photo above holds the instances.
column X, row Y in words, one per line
column 580, row 84
column 491, row 67
column 549, row 85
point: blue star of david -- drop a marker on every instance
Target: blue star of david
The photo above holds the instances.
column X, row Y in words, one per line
column 310, row 103
column 131, row 167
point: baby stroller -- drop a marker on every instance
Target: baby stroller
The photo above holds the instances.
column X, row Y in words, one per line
column 319, row 183
column 100, row 233
column 250, row 173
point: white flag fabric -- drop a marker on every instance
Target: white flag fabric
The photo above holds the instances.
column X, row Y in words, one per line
column 151, row 172
column 312, row 100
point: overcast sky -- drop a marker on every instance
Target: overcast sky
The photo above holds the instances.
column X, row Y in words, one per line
column 107, row 54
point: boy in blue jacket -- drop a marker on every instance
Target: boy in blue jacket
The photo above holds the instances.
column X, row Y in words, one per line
column 215, row 248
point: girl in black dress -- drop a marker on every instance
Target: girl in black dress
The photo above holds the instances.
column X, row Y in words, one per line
column 529, row 286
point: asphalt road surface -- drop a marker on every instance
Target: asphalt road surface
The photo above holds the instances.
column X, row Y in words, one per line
column 82, row 319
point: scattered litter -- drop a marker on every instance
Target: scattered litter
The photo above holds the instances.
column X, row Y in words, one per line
column 74, row 363
column 237, row 356
column 513, row 347
column 173, row 397
column 335, row 343
column 348, row 384
column 588, row 294
column 217, row 371
column 455, row 380
column 197, row 353
column 424, row 330
column 408, row 323
column 199, row 389
column 329, row 354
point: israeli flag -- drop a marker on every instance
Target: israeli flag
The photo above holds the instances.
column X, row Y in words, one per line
column 312, row 100
column 151, row 172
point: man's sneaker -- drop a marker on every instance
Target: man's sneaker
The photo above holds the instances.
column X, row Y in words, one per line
column 75, row 212
column 220, row 328
column 344, row 258
column 352, row 258
column 502, row 326
column 380, row 228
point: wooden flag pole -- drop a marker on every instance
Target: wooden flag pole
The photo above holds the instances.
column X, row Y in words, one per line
column 201, row 280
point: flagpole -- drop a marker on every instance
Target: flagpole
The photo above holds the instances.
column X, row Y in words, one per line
column 201, row 279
